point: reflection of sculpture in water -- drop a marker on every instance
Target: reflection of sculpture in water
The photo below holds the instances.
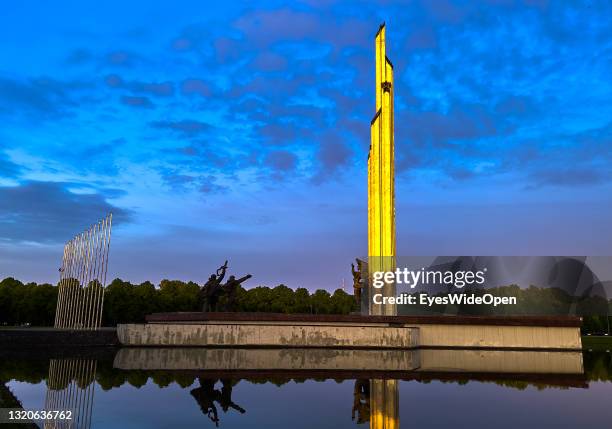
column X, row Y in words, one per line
column 361, row 401
column 206, row 395
column 358, row 280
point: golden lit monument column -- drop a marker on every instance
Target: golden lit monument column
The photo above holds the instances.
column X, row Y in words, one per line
column 384, row 394
column 381, row 180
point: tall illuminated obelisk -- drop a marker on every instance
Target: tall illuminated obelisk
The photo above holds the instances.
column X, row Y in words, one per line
column 384, row 396
column 381, row 181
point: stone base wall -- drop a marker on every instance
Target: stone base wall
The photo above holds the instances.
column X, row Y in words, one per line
column 268, row 335
column 484, row 336
column 345, row 335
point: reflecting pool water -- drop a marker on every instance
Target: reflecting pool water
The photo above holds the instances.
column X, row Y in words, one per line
column 207, row 388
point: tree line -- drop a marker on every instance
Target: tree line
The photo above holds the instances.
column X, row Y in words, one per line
column 125, row 302
column 532, row 301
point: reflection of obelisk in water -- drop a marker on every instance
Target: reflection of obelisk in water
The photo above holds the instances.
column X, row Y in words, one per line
column 381, row 181
column 384, row 402
column 70, row 387
column 384, row 395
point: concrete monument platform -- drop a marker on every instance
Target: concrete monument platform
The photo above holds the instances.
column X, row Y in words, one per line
column 264, row 330
column 352, row 331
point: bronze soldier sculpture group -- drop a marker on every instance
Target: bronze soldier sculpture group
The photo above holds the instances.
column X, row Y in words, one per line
column 213, row 290
column 359, row 276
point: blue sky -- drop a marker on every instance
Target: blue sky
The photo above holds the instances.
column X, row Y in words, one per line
column 240, row 131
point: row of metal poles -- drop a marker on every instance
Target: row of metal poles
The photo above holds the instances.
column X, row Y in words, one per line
column 70, row 388
column 83, row 276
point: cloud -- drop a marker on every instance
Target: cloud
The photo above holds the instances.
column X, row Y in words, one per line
column 265, row 27
column 192, row 38
column 114, row 81
column 45, row 97
column 48, row 212
column 446, row 11
column 195, row 87
column 185, row 127
column 79, row 57
column 563, row 159
column 209, row 185
column 333, row 154
column 177, row 180
column 281, row 160
column 278, row 134
column 137, row 101
column 8, row 168
column 122, row 59
column 569, row 177
column 159, row 89
column 422, row 38
column 227, row 49
column 269, row 61
column 181, row 44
